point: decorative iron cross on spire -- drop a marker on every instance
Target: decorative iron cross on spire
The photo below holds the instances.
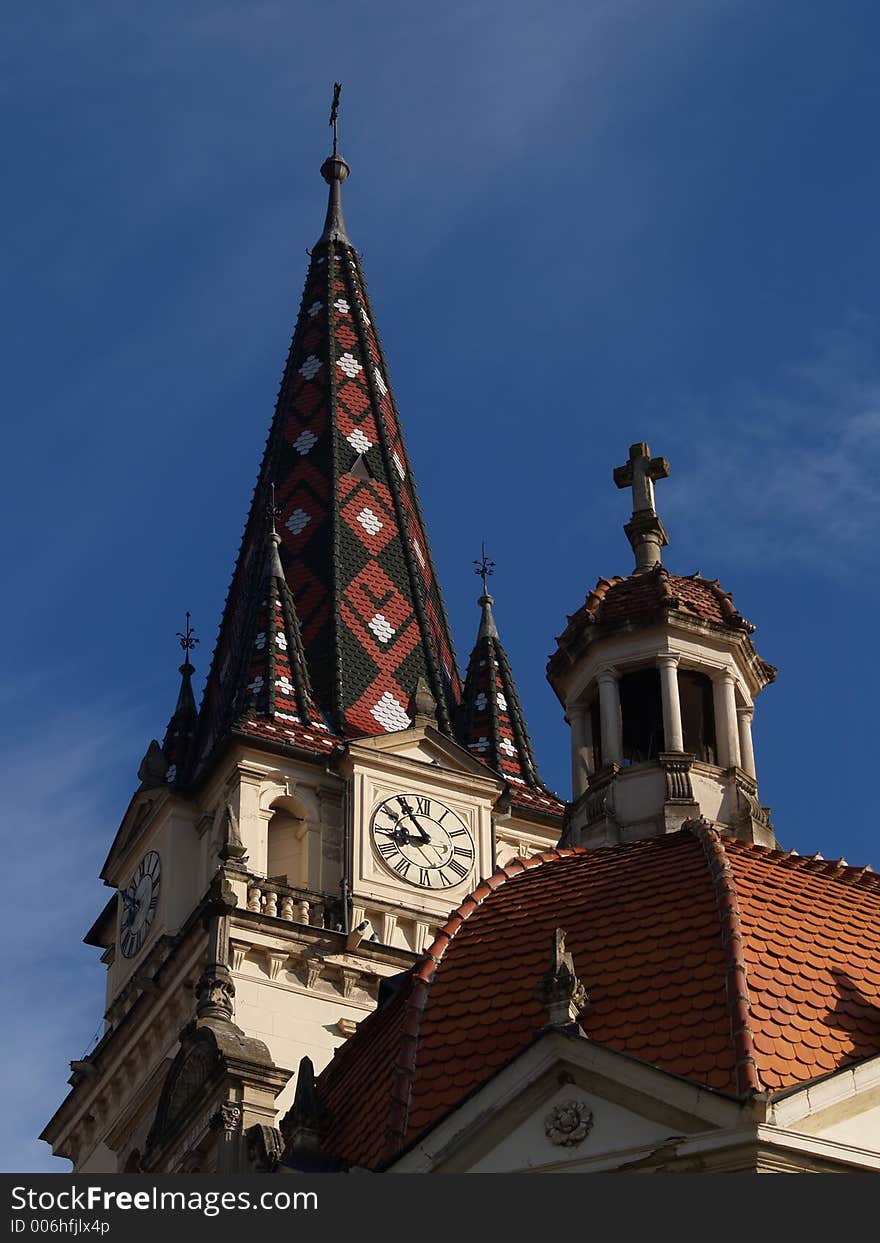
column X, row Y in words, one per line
column 485, row 569
column 334, row 115
column 644, row 530
column 188, row 638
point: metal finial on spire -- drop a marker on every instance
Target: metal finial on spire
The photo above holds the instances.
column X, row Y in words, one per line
column 187, row 639
column 644, row 530
column 334, row 170
column 334, row 114
column 273, row 509
column 485, row 568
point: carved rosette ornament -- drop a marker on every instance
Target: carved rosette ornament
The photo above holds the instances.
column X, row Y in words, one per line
column 568, row 1124
column 215, row 993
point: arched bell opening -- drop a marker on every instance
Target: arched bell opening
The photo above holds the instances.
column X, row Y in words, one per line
column 641, row 716
column 287, row 858
column 696, row 698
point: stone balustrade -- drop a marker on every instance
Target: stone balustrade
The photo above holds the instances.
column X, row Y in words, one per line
column 297, row 906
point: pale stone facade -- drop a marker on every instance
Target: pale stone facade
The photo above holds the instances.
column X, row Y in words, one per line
column 304, row 972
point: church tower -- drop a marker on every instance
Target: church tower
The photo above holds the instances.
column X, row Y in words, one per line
column 297, row 840
column 658, row 675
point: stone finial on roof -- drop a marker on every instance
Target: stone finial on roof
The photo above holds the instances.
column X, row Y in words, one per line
column 644, row 530
column 559, row 989
column 308, row 1118
column 422, row 704
column 231, row 849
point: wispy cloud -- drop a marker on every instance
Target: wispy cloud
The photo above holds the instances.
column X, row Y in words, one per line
column 785, row 471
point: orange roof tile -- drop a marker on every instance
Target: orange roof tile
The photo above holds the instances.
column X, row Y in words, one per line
column 735, row 966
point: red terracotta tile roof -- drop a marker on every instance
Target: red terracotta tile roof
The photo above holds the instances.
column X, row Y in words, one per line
column 618, row 601
column 735, row 966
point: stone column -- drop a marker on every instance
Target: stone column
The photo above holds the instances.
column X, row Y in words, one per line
column 580, row 766
column 726, row 728
column 609, row 710
column 747, row 752
column 673, row 738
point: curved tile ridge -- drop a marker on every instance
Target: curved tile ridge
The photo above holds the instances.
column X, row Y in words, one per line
column 423, row 974
column 736, row 977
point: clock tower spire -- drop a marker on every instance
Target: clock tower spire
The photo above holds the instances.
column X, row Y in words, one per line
column 301, row 838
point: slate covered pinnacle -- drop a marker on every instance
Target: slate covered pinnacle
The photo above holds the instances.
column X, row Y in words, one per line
column 181, row 729
column 491, row 724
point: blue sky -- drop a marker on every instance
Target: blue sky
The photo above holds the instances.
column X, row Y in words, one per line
column 583, row 224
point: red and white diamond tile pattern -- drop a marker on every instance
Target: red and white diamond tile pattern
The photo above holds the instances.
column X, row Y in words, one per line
column 348, row 541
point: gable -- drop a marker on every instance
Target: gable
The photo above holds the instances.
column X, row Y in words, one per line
column 566, row 1104
column 425, row 745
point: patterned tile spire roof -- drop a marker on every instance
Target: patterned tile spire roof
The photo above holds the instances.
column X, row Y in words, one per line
column 276, row 688
column 353, row 548
column 491, row 721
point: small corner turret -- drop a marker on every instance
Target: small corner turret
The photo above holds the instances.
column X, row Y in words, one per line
column 657, row 674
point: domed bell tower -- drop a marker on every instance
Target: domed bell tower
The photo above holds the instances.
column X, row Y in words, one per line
column 658, row 676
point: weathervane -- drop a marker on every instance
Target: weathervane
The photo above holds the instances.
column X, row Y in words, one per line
column 485, row 568
column 188, row 639
column 334, row 114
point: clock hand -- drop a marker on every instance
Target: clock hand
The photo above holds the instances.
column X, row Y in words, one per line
column 397, row 834
column 423, row 836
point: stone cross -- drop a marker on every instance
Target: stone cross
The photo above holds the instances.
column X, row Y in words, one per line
column 639, row 474
column 644, row 530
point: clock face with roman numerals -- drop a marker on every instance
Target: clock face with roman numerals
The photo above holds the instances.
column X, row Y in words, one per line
column 423, row 841
column 139, row 901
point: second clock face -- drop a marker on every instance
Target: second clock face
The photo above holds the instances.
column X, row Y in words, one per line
column 423, row 841
column 140, row 899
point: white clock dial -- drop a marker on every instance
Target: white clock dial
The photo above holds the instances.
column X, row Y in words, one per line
column 139, row 901
column 423, row 841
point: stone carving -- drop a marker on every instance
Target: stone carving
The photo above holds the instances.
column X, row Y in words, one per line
column 749, row 808
column 153, row 767
column 568, row 1124
column 227, row 1117
column 230, row 847
column 264, row 1147
column 677, row 768
column 215, row 992
column 194, row 1069
column 559, row 989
